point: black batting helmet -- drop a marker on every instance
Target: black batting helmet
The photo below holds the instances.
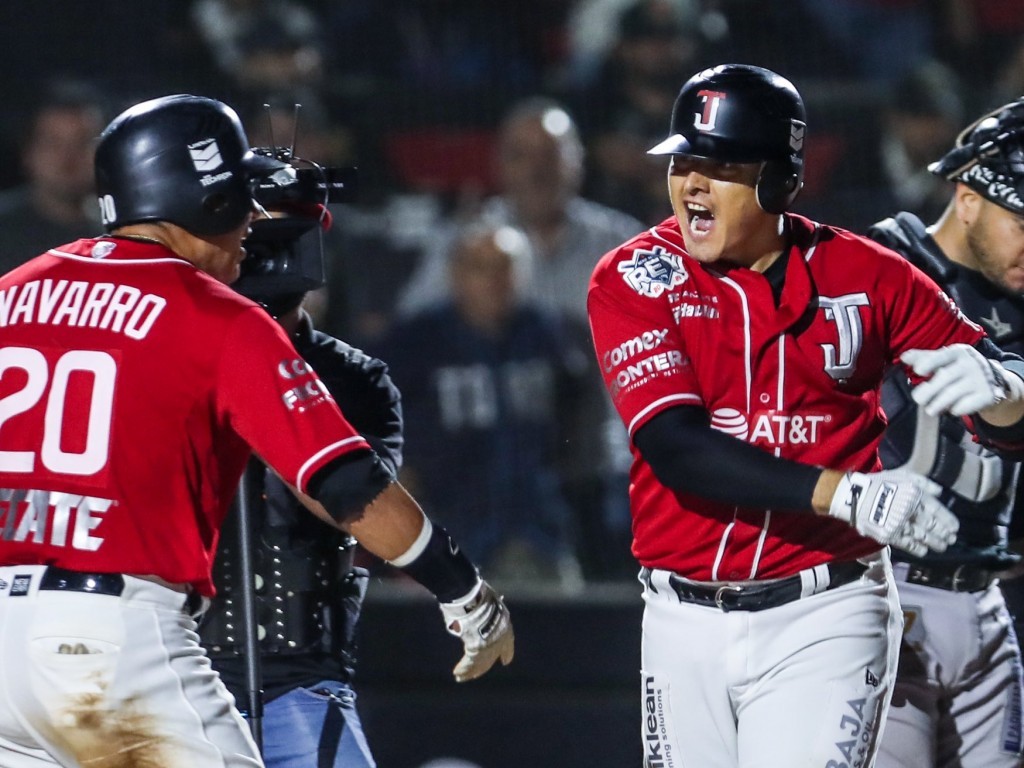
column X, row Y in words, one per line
column 989, row 157
column 738, row 113
column 183, row 159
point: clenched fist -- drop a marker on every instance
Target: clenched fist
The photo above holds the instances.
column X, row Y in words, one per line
column 482, row 622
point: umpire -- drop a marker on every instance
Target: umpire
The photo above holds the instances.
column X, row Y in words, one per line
column 309, row 595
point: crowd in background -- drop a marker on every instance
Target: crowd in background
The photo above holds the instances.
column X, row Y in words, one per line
column 501, row 151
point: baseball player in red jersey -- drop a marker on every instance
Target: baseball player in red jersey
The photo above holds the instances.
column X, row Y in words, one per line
column 744, row 348
column 133, row 386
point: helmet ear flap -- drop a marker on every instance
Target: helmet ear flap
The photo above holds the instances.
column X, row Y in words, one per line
column 215, row 203
column 778, row 184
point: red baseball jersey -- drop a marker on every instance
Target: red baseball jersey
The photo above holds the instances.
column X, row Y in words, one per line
column 132, row 386
column 800, row 379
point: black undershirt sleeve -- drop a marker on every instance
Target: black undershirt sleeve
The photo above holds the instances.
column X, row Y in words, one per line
column 348, row 484
column 687, row 455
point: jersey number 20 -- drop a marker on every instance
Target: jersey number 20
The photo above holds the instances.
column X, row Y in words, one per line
column 103, row 370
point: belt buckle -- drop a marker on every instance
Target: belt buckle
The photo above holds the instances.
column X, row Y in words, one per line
column 720, row 595
column 958, row 578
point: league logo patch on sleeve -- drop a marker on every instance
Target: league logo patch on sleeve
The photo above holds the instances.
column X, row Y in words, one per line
column 651, row 273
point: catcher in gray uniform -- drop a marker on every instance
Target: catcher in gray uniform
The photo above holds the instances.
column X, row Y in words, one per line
column 957, row 700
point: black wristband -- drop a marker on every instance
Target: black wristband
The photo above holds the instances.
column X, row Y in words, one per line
column 442, row 568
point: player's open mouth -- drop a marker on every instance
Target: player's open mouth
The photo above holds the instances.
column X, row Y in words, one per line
column 700, row 218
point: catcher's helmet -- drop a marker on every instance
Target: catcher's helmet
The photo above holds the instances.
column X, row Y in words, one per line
column 737, row 113
column 183, row 159
column 989, row 157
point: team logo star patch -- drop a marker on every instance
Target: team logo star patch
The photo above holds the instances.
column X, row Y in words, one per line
column 995, row 322
column 651, row 273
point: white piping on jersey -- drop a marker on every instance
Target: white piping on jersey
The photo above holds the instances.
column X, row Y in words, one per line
column 779, row 402
column 721, row 545
column 659, row 402
column 814, row 242
column 675, row 246
column 748, row 376
column 300, row 480
column 91, row 260
column 760, row 543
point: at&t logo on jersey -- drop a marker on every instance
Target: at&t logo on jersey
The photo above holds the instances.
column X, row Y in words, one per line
column 771, row 428
column 651, row 273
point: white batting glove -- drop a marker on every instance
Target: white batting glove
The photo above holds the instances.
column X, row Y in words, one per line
column 962, row 380
column 482, row 622
column 896, row 507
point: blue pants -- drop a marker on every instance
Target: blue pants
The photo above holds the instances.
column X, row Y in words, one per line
column 315, row 727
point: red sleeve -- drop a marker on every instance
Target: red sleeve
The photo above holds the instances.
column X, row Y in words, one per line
column 639, row 347
column 277, row 403
column 922, row 316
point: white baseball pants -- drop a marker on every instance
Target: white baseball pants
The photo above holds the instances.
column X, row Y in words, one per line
column 101, row 681
column 802, row 685
column 957, row 702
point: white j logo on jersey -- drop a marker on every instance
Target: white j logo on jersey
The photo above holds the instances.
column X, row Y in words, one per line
column 844, row 312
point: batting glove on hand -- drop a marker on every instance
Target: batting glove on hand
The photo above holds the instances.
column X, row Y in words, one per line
column 962, row 380
column 481, row 621
column 896, row 507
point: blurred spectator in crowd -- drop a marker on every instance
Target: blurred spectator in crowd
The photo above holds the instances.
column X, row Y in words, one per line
column 437, row 46
column 985, row 44
column 491, row 389
column 1008, row 82
column 56, row 204
column 881, row 41
column 592, row 29
column 885, row 152
column 540, row 171
column 622, row 112
column 263, row 46
column 921, row 118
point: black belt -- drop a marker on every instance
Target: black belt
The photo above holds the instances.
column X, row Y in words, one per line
column 955, row 578
column 756, row 597
column 63, row 580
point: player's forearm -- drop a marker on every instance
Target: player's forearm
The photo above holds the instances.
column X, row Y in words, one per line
column 825, row 490
column 386, row 527
column 1004, row 414
column 390, row 524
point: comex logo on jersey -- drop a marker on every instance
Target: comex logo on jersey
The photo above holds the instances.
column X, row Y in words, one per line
column 633, row 373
